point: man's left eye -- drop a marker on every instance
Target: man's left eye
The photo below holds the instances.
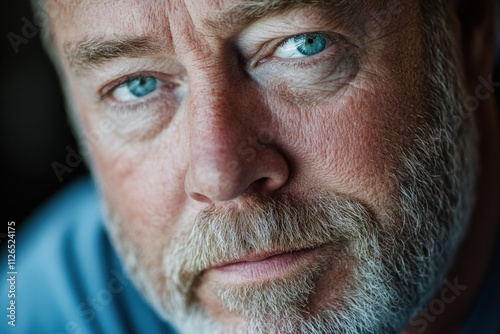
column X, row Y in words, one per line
column 303, row 45
column 135, row 89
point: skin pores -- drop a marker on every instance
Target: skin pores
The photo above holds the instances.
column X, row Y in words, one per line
column 232, row 131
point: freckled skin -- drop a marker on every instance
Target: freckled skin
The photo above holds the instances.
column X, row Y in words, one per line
column 344, row 136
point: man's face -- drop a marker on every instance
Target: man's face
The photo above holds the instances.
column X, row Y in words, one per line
column 273, row 166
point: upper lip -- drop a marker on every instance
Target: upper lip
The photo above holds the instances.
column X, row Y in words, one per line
column 255, row 257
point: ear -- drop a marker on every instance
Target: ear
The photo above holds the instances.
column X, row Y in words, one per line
column 475, row 35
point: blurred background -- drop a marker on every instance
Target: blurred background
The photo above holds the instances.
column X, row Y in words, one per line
column 34, row 130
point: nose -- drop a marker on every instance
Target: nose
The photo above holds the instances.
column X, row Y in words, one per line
column 229, row 156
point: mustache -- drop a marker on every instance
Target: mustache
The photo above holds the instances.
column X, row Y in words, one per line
column 258, row 224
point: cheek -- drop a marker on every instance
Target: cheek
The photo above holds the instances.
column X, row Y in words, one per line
column 351, row 144
column 357, row 158
column 142, row 181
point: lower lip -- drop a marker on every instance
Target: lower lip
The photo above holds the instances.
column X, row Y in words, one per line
column 272, row 267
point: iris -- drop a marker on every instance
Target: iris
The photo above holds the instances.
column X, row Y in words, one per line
column 142, row 86
column 310, row 44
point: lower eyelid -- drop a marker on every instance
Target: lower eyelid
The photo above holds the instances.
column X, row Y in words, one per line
column 143, row 102
column 108, row 89
column 333, row 65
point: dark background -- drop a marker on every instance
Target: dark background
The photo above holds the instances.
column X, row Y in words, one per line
column 34, row 130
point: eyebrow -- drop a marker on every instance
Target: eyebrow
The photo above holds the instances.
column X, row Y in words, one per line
column 247, row 12
column 93, row 52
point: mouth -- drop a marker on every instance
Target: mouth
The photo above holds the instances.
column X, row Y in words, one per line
column 265, row 266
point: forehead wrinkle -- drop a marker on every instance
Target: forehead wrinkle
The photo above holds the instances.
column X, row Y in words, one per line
column 150, row 35
column 244, row 13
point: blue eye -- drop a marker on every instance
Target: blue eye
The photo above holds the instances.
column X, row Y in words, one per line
column 303, row 45
column 135, row 89
column 309, row 45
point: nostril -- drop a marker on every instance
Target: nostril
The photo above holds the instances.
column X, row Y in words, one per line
column 200, row 198
column 211, row 179
column 263, row 186
column 260, row 181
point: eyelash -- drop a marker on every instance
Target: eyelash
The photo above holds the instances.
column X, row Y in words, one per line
column 111, row 87
column 298, row 63
column 130, row 106
column 284, row 40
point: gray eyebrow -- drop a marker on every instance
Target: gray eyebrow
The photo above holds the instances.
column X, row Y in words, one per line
column 249, row 11
column 96, row 51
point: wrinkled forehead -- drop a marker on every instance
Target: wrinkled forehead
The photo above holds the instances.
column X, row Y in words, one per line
column 72, row 20
column 186, row 27
column 130, row 16
column 144, row 13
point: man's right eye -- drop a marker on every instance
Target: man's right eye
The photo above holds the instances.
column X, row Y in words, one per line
column 135, row 89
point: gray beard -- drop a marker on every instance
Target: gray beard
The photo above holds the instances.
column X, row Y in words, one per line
column 398, row 263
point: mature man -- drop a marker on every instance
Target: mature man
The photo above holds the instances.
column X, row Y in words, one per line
column 321, row 166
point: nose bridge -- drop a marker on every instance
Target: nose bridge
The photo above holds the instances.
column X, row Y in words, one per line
column 216, row 130
column 214, row 115
column 224, row 116
column 210, row 99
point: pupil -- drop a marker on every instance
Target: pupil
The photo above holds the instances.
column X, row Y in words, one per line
column 310, row 40
column 142, row 86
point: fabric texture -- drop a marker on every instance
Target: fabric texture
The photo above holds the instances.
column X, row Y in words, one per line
column 69, row 278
